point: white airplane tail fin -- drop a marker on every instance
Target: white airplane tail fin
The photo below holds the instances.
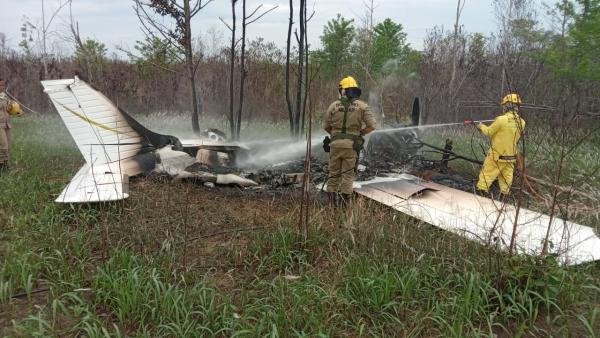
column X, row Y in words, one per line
column 112, row 143
column 101, row 132
column 95, row 186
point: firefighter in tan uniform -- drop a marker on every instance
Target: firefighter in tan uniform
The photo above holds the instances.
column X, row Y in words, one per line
column 347, row 120
column 505, row 132
column 7, row 108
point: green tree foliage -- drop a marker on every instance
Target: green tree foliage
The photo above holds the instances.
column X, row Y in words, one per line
column 528, row 38
column 477, row 47
column 155, row 52
column 91, row 51
column 335, row 58
column 389, row 44
column 575, row 55
column 90, row 55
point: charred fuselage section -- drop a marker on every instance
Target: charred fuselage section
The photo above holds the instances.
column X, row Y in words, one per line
column 396, row 146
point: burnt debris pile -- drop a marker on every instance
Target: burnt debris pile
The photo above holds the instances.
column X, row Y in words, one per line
column 385, row 155
column 289, row 174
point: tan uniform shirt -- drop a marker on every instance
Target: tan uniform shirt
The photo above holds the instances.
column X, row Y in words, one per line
column 359, row 116
column 4, row 117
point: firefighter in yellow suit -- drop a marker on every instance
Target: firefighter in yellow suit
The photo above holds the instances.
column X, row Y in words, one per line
column 347, row 120
column 505, row 132
column 7, row 108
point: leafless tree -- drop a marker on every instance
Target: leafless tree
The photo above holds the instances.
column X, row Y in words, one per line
column 288, row 54
column 179, row 37
column 232, row 28
column 76, row 38
column 364, row 42
column 459, row 8
column 44, row 31
column 235, row 122
column 297, row 110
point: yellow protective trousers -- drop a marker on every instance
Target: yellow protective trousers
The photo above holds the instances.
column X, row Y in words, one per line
column 4, row 144
column 342, row 162
column 494, row 169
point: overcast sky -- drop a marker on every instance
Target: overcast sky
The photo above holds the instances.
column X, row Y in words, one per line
column 114, row 23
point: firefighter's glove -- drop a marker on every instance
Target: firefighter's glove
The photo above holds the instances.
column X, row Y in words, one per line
column 326, row 142
column 469, row 122
column 358, row 144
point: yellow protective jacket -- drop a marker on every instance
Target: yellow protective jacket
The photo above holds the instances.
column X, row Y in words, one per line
column 505, row 133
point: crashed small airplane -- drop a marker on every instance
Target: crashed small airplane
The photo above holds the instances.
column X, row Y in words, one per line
column 115, row 147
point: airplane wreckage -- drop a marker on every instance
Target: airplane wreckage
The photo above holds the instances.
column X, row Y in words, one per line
column 115, row 147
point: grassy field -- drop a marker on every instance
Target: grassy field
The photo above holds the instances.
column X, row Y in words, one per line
column 182, row 260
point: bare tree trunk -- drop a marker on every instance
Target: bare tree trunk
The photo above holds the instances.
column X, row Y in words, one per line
column 368, row 22
column 242, row 72
column 44, row 50
column 232, row 127
column 190, row 65
column 300, row 75
column 287, row 69
column 459, row 7
column 305, row 71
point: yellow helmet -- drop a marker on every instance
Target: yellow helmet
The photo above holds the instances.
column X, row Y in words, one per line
column 14, row 108
column 511, row 98
column 348, row 82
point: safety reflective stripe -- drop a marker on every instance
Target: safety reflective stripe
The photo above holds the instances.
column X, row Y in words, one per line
column 90, row 121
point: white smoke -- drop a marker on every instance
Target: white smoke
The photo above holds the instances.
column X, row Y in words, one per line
column 272, row 152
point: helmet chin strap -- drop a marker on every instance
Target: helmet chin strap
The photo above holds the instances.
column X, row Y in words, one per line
column 509, row 107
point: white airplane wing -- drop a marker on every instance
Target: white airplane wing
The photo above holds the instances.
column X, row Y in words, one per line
column 484, row 220
column 95, row 185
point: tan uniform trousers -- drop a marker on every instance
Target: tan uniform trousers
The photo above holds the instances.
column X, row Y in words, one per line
column 342, row 162
column 492, row 169
column 4, row 144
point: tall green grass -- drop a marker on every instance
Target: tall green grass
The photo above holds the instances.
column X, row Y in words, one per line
column 133, row 268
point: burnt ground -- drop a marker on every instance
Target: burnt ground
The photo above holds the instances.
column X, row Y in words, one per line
column 374, row 164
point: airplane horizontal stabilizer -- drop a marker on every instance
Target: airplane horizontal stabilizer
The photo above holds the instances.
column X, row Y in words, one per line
column 95, row 185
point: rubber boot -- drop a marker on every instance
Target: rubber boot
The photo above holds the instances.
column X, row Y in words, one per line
column 331, row 199
column 345, row 200
column 482, row 193
column 3, row 168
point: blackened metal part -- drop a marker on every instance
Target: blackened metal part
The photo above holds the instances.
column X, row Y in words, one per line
column 147, row 160
column 416, row 112
column 216, row 131
column 156, row 140
column 153, row 139
column 450, row 152
column 391, row 150
column 446, row 156
column 192, row 151
column 454, row 181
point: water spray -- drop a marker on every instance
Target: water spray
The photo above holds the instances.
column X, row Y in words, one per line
column 427, row 126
